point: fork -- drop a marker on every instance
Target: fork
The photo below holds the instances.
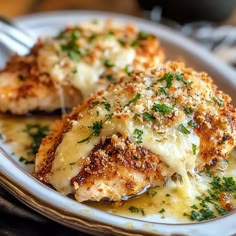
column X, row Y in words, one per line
column 14, row 38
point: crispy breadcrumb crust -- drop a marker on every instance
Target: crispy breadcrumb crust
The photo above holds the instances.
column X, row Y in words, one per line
column 23, row 88
column 42, row 80
column 212, row 112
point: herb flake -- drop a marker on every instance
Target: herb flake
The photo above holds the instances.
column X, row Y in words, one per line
column 148, row 117
column 137, row 134
column 162, row 108
column 183, row 129
column 36, row 132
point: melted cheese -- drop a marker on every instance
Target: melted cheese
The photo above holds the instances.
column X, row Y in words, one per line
column 82, row 75
column 137, row 95
column 175, row 149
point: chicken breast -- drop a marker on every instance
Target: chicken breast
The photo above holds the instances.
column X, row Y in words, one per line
column 153, row 125
column 63, row 70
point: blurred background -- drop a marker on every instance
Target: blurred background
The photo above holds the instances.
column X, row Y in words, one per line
column 212, row 23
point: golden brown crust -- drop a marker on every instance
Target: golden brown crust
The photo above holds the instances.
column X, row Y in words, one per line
column 161, row 105
column 105, row 158
column 47, row 149
column 23, row 88
column 64, row 70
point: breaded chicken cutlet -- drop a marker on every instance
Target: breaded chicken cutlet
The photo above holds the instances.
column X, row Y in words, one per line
column 64, row 70
column 151, row 126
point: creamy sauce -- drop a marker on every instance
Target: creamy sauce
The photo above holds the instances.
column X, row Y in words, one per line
column 14, row 135
column 152, row 203
column 166, row 201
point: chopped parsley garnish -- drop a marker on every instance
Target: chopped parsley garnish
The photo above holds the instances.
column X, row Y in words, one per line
column 134, row 209
column 194, row 148
column 194, row 207
column 72, row 163
column 183, row 129
column 110, row 32
column 192, row 123
column 106, row 104
column 136, row 116
column 137, row 134
column 203, row 214
column 179, row 77
column 148, row 117
column 162, row 108
column 21, row 77
column 108, row 63
column 71, row 47
column 92, row 37
column 128, row 70
column 168, row 77
column 208, row 206
column 153, row 193
column 36, row 132
column 25, row 161
column 144, row 35
column 134, row 100
column 168, row 195
column 162, row 210
column 122, row 42
column 110, row 78
column 135, row 43
column 162, row 90
column 75, row 34
column 95, row 103
column 74, row 71
column 95, row 129
column 188, row 110
column 74, row 55
column 225, row 184
column 219, row 101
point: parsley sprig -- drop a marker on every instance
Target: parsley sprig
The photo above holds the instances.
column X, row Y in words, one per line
column 137, row 134
column 72, row 47
column 162, row 108
column 134, row 209
column 134, row 100
column 95, row 129
column 168, row 77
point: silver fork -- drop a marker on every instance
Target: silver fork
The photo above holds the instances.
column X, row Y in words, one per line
column 14, row 37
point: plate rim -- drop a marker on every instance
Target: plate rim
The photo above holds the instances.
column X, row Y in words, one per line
column 134, row 227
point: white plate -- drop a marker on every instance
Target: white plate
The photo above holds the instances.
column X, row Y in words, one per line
column 81, row 217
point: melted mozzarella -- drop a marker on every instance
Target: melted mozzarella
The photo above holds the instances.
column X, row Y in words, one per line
column 84, row 76
column 175, row 149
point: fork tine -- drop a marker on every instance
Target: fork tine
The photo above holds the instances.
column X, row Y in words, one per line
column 12, row 44
column 16, row 34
